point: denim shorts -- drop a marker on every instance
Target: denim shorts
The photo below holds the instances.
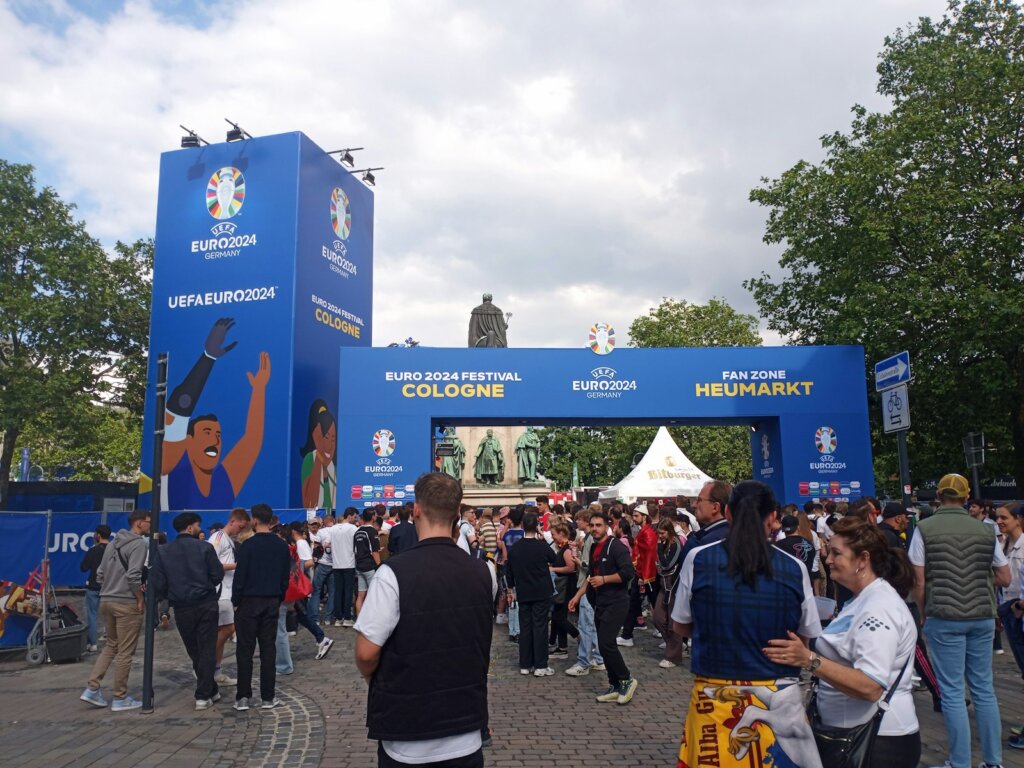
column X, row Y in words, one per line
column 363, row 579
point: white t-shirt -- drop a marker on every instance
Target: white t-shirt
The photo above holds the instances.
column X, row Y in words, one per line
column 225, row 550
column 376, row 621
column 810, row 624
column 822, row 529
column 343, row 548
column 387, row 525
column 305, row 553
column 1015, row 557
column 816, row 568
column 323, row 538
column 875, row 634
column 916, row 552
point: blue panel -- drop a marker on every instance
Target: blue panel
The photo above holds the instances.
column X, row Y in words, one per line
column 333, row 307
column 791, row 391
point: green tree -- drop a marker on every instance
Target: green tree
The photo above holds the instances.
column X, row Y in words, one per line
column 908, row 235
column 606, row 455
column 73, row 319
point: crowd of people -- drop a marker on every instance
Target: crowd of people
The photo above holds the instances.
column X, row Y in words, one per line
column 865, row 601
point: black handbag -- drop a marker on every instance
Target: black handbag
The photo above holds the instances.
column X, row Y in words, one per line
column 848, row 747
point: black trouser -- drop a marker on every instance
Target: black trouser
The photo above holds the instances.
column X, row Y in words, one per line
column 256, row 622
column 344, row 593
column 561, row 629
column 636, row 605
column 608, row 617
column 896, row 751
column 533, row 632
column 197, row 625
column 475, row 760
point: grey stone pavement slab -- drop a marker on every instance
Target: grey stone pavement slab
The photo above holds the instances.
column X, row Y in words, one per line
column 536, row 721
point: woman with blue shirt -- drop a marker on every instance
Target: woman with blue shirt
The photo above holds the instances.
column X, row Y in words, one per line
column 733, row 597
column 864, row 649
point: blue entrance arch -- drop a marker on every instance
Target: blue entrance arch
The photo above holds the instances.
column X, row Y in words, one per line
column 807, row 407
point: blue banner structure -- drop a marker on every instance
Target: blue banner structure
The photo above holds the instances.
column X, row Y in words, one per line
column 806, row 406
column 263, row 269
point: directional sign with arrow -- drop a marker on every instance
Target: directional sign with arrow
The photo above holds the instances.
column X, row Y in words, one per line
column 892, row 371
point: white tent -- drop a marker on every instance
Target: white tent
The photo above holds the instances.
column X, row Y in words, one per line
column 664, row 471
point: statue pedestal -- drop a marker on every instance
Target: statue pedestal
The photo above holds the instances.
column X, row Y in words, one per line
column 501, row 495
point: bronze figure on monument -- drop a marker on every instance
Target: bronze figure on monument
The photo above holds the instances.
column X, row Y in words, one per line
column 455, row 464
column 527, row 450
column 487, row 325
column 489, row 467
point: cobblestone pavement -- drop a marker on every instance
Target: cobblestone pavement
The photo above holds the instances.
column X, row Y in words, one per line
column 536, row 721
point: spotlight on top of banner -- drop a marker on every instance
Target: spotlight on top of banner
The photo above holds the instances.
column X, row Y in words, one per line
column 368, row 178
column 345, row 155
column 236, row 133
column 191, row 138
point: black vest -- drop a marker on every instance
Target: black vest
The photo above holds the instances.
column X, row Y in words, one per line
column 432, row 677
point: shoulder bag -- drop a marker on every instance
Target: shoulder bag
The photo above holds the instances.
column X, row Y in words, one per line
column 848, row 747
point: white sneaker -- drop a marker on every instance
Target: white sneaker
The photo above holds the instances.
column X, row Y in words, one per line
column 577, row 671
column 234, row 638
column 292, row 633
column 656, row 633
column 598, row 667
column 223, row 679
column 666, row 664
column 270, row 703
column 202, row 704
column 348, row 623
column 337, row 622
column 662, row 644
column 999, row 651
column 91, row 648
column 543, row 672
column 323, row 647
column 524, row 671
column 624, row 641
column 502, row 619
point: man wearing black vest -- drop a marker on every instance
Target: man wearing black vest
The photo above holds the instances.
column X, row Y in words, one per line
column 424, row 642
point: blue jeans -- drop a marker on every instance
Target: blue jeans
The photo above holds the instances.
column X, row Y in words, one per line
column 284, row 649
column 92, row 608
column 587, row 653
column 962, row 648
column 1014, row 632
column 322, row 575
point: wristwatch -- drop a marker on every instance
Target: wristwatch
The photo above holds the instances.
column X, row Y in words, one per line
column 814, row 663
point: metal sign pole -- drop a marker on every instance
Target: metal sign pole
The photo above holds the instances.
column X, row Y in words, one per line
column 901, row 438
column 154, row 528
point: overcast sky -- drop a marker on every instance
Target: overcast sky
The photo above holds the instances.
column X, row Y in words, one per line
column 579, row 160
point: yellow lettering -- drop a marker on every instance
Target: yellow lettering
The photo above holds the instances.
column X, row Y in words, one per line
column 422, row 390
column 451, row 390
column 763, row 389
column 483, row 390
column 407, row 390
column 716, row 389
column 748, row 389
column 792, row 388
column 498, row 390
column 778, row 388
column 807, row 386
column 731, row 390
column 703, row 390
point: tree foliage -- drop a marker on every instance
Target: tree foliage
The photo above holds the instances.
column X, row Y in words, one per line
column 73, row 320
column 908, row 235
column 606, row 455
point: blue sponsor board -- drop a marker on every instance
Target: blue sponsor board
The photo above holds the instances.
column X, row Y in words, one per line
column 808, row 405
column 263, row 270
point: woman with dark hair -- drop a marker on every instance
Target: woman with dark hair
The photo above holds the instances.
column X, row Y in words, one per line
column 529, row 581
column 668, row 564
column 624, row 533
column 319, row 479
column 733, row 597
column 868, row 647
column 302, row 553
column 565, row 587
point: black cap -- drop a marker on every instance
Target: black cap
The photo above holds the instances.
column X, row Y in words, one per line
column 790, row 523
column 893, row 509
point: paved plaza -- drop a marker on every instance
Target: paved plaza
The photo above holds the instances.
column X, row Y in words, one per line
column 536, row 721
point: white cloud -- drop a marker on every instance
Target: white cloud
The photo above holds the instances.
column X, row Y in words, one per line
column 578, row 160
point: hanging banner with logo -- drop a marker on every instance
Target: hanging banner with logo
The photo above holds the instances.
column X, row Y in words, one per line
column 263, row 270
column 807, row 406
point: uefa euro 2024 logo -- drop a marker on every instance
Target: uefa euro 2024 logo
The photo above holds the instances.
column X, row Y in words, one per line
column 825, row 440
column 341, row 213
column 225, row 193
column 383, row 442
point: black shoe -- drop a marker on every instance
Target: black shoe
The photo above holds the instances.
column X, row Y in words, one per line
column 513, row 638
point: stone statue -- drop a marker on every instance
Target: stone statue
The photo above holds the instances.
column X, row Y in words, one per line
column 455, row 464
column 489, row 468
column 487, row 325
column 527, row 449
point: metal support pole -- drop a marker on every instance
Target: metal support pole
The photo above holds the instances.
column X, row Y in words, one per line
column 45, row 584
column 975, row 482
column 901, row 438
column 154, row 528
